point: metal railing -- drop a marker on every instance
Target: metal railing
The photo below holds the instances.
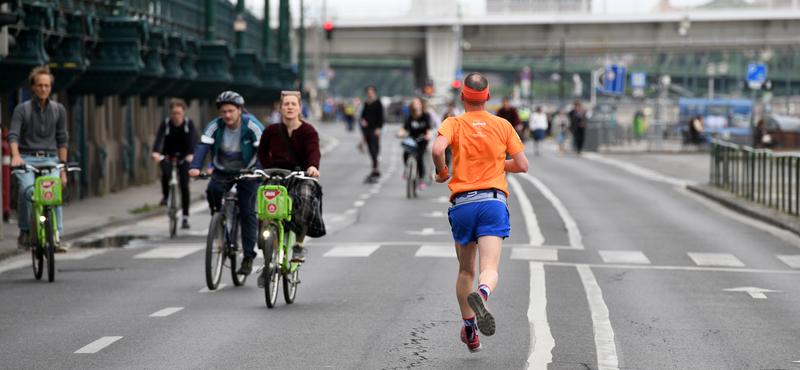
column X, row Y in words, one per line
column 759, row 175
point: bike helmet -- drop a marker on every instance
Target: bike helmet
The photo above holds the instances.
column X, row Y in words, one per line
column 230, row 97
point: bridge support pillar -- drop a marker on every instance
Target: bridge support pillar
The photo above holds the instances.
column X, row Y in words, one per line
column 441, row 58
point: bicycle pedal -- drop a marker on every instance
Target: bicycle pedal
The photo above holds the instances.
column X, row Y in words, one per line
column 293, row 281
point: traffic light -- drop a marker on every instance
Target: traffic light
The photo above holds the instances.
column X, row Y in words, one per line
column 328, row 26
column 7, row 18
column 456, row 84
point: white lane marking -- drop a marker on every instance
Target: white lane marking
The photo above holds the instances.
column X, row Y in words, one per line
column 542, row 342
column 624, row 257
column 333, row 144
column 374, row 191
column 428, row 231
column 638, row 170
column 536, row 239
column 678, row 268
column 203, row 232
column 358, row 203
column 219, row 287
column 364, row 196
column 715, row 259
column 603, row 332
column 79, row 254
column 13, row 265
column 166, row 312
column 168, row 252
column 441, row 200
column 360, row 251
column 792, row 260
column 435, row 251
column 575, row 239
column 202, row 207
column 434, row 214
column 756, row 293
column 97, row 345
column 534, row 254
column 386, row 243
column 351, row 211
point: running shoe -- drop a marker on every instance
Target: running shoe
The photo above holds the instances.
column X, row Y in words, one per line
column 185, row 223
column 483, row 315
column 23, row 242
column 299, row 254
column 474, row 344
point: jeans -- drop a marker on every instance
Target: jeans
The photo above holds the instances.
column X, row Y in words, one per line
column 25, row 192
column 183, row 177
column 219, row 184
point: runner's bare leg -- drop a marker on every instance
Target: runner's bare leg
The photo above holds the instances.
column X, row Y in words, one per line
column 490, row 248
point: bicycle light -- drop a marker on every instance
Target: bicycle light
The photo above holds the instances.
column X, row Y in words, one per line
column 42, row 218
column 265, row 234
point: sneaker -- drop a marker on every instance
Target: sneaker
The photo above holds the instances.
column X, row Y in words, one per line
column 185, row 223
column 474, row 344
column 23, row 242
column 163, row 202
column 61, row 249
column 298, row 254
column 483, row 315
column 422, row 186
column 247, row 266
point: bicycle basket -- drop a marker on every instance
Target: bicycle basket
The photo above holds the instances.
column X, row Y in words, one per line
column 409, row 145
column 47, row 191
column 274, row 203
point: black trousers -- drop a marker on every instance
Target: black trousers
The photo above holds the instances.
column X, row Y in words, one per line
column 183, row 176
column 374, row 145
column 578, row 138
column 419, row 154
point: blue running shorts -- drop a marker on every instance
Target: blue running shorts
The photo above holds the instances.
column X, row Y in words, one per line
column 469, row 221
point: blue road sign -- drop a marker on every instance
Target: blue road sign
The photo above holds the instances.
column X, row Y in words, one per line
column 756, row 72
column 638, row 80
column 613, row 80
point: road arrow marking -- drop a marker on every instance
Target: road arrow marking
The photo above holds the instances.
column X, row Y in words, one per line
column 756, row 293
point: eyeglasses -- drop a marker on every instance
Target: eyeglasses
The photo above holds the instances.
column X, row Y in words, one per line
column 286, row 92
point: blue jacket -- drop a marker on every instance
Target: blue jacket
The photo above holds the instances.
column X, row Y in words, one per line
column 212, row 137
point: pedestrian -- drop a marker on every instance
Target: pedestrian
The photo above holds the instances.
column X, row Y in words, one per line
column 349, row 113
column 538, row 125
column 524, row 114
column 479, row 215
column 638, row 124
column 275, row 115
column 372, row 124
column 435, row 120
column 559, row 121
column 697, row 131
column 577, row 126
column 38, row 136
column 176, row 139
column 510, row 114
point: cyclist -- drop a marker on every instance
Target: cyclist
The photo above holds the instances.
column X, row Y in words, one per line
column 38, row 136
column 302, row 152
column 232, row 138
column 179, row 141
column 479, row 215
column 418, row 127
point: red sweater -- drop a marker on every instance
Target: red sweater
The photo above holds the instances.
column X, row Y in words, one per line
column 272, row 152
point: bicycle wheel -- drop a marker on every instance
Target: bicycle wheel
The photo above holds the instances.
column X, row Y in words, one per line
column 290, row 281
column 237, row 254
column 214, row 247
column 273, row 265
column 38, row 261
column 50, row 248
column 172, row 210
column 411, row 175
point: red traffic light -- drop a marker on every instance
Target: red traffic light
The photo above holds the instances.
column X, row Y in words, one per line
column 456, row 84
column 328, row 25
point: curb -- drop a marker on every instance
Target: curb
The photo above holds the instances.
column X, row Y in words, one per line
column 751, row 209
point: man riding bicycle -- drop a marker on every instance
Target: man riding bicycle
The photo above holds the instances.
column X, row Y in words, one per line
column 232, row 138
column 175, row 139
column 38, row 136
column 301, row 152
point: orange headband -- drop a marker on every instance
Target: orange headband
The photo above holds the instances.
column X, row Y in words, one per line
column 473, row 95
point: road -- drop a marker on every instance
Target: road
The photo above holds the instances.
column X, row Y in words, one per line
column 608, row 266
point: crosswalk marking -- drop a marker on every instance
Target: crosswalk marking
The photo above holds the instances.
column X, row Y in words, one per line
column 534, row 254
column 359, row 251
column 432, row 251
column 624, row 257
column 792, row 260
column 97, row 345
column 171, row 252
column 715, row 259
column 166, row 312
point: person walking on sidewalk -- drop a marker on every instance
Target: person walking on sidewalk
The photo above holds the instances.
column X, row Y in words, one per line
column 479, row 215
column 232, row 138
column 372, row 124
column 38, row 136
column 175, row 139
column 538, row 125
column 577, row 126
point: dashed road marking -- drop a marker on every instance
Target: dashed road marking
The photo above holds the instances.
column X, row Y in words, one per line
column 434, row 214
column 603, row 332
column 792, row 260
column 166, row 312
column 359, row 203
column 427, row 231
column 542, row 338
column 97, row 345
column 354, row 251
column 219, row 287
column 435, row 251
column 168, row 252
column 534, row 254
column 715, row 259
column 637, row 257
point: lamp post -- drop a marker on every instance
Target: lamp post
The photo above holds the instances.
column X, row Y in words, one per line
column 711, row 71
column 683, row 30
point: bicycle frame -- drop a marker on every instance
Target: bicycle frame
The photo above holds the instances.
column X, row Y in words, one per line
column 286, row 239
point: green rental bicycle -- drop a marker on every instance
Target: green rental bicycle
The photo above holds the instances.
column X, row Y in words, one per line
column 274, row 206
column 44, row 238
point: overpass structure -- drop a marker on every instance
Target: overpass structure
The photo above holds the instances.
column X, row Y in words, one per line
column 436, row 38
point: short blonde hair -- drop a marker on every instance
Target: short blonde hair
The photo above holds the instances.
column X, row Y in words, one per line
column 176, row 102
column 41, row 70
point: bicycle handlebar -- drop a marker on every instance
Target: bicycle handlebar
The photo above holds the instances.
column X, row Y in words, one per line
column 69, row 167
column 280, row 173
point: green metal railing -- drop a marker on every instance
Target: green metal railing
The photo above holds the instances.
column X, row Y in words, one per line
column 759, row 175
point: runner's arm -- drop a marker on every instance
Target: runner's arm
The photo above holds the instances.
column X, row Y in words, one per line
column 439, row 162
column 517, row 164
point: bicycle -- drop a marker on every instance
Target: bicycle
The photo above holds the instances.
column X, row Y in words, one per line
column 172, row 196
column 43, row 236
column 274, row 208
column 413, row 180
column 224, row 241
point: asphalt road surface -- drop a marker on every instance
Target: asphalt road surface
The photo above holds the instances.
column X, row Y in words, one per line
column 609, row 266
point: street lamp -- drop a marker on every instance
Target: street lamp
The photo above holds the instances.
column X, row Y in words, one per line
column 683, row 30
column 711, row 71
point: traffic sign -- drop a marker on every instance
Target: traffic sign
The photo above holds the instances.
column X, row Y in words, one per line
column 756, row 73
column 638, row 80
column 613, row 80
column 526, row 74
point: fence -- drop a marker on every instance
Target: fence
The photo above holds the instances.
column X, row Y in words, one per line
column 759, row 175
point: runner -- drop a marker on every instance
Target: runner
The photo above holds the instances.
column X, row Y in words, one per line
column 479, row 215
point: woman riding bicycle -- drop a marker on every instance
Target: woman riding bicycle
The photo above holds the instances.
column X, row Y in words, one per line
column 303, row 153
column 418, row 127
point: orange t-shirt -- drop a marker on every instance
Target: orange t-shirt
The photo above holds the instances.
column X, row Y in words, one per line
column 479, row 142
